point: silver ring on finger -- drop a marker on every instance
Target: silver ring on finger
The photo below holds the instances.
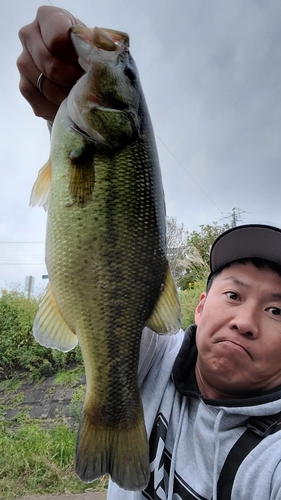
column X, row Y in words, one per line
column 40, row 81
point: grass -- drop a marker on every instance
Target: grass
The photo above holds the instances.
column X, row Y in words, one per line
column 38, row 461
column 69, row 377
column 77, row 403
column 11, row 385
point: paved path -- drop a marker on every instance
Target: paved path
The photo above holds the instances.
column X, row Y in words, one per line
column 81, row 496
column 46, row 400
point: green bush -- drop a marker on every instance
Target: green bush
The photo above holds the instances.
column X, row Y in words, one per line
column 189, row 299
column 18, row 348
column 20, row 352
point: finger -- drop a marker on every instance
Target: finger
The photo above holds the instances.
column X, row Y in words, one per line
column 53, row 93
column 57, row 70
column 29, row 72
column 43, row 104
column 54, row 26
column 47, row 49
column 40, row 104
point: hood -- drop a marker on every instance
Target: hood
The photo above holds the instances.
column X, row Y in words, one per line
column 266, row 403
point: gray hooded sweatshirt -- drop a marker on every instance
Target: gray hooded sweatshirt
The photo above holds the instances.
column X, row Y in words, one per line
column 190, row 436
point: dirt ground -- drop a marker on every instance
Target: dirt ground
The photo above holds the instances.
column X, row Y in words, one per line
column 80, row 496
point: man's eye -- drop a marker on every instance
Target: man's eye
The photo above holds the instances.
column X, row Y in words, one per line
column 276, row 311
column 232, row 295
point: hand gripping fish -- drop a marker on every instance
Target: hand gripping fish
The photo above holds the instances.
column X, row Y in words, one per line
column 105, row 251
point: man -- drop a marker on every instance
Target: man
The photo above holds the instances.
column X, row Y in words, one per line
column 201, row 389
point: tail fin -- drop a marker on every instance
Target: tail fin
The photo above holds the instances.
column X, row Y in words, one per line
column 121, row 452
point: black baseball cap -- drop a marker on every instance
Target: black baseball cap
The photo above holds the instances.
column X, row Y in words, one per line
column 246, row 242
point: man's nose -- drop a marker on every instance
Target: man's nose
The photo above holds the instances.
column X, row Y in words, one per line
column 245, row 320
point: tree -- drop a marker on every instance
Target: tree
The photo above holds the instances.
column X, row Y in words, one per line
column 198, row 254
column 202, row 240
column 177, row 244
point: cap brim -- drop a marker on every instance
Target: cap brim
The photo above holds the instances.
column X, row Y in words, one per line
column 246, row 242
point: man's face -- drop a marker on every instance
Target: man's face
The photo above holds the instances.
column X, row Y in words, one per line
column 239, row 333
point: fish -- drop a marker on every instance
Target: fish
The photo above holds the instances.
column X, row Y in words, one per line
column 105, row 254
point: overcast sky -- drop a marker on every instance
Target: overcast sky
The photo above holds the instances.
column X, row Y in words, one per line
column 211, row 73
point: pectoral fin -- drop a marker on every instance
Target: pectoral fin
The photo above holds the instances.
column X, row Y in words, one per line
column 50, row 328
column 41, row 189
column 166, row 316
column 82, row 174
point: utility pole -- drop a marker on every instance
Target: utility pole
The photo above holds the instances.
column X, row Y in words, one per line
column 235, row 216
column 29, row 285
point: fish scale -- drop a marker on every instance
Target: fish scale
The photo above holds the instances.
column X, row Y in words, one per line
column 106, row 252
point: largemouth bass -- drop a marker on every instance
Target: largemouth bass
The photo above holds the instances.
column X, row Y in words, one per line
column 106, row 251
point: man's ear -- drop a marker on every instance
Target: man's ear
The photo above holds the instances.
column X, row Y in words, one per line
column 199, row 308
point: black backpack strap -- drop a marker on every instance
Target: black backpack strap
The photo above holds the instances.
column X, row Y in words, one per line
column 257, row 429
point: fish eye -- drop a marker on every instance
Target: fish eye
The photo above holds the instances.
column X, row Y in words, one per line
column 130, row 74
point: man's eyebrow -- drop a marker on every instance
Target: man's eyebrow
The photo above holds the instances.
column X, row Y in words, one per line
column 235, row 280
column 273, row 295
column 276, row 296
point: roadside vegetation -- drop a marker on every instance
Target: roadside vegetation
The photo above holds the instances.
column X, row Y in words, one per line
column 18, row 349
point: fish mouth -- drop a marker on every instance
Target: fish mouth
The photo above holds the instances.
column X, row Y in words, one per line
column 108, row 39
column 102, row 38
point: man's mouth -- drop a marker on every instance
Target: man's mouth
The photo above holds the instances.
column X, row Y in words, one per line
column 235, row 345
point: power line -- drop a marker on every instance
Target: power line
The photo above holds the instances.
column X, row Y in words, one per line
column 22, row 242
column 192, row 178
column 22, row 263
column 22, row 253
